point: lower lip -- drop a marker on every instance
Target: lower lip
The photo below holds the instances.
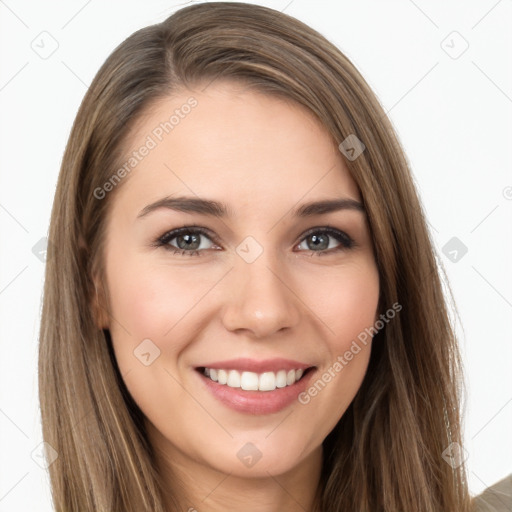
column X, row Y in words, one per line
column 257, row 402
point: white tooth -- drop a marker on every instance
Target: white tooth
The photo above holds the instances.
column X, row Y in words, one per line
column 222, row 375
column 267, row 381
column 281, row 379
column 249, row 381
column 233, row 379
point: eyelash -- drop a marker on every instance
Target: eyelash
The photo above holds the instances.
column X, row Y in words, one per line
column 346, row 242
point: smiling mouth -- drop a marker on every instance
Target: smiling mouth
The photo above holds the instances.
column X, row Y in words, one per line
column 252, row 381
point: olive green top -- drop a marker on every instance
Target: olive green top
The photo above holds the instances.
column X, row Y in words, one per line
column 496, row 498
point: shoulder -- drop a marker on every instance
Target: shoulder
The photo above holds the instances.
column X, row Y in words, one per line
column 496, row 498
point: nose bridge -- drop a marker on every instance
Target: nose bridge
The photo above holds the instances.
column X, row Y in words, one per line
column 260, row 299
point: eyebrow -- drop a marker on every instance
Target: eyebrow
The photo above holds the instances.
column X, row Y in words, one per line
column 220, row 210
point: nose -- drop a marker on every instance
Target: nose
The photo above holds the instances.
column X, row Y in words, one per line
column 261, row 299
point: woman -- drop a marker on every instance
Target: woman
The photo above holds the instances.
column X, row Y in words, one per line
column 195, row 353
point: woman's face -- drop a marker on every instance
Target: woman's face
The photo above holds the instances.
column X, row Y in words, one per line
column 253, row 288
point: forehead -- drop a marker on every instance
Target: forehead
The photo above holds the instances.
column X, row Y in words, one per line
column 230, row 141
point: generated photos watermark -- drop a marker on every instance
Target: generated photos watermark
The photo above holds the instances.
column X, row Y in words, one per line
column 152, row 140
column 342, row 360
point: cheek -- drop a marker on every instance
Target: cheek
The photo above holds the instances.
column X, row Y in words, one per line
column 347, row 305
column 346, row 302
column 149, row 301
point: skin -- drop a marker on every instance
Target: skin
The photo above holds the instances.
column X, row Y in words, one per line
column 263, row 156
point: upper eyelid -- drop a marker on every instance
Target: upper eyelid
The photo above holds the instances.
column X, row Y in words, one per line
column 173, row 233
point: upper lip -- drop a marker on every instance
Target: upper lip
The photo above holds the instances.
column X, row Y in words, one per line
column 253, row 365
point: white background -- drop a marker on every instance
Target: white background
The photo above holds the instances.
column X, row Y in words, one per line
column 453, row 116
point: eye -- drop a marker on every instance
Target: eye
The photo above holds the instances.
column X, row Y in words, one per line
column 187, row 240
column 318, row 238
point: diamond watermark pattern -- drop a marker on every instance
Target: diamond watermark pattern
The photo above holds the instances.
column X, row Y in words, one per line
column 455, row 455
column 249, row 455
column 454, row 249
column 147, row 352
column 40, row 249
column 44, row 44
column 351, row 147
column 249, row 249
column 44, row 455
column 454, row 45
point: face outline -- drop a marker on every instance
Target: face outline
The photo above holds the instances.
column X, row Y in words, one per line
column 268, row 156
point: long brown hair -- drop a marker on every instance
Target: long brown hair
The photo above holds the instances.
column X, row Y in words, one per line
column 386, row 452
